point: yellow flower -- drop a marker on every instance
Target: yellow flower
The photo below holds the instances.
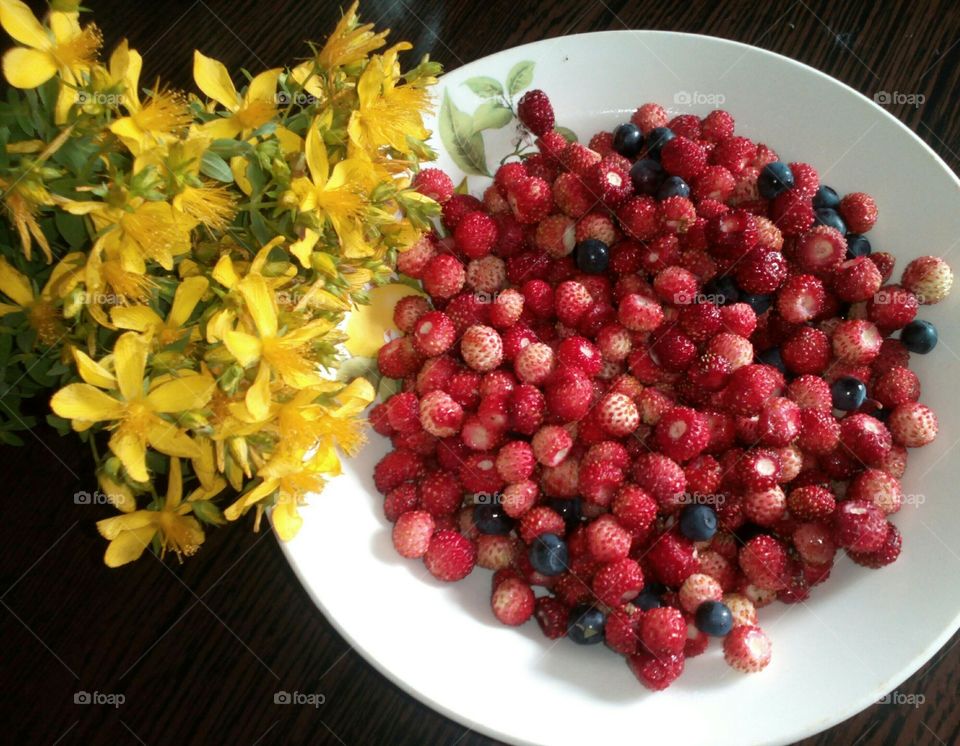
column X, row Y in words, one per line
column 65, row 48
column 22, row 201
column 178, row 532
column 369, row 327
column 214, row 205
column 350, row 41
column 257, row 106
column 388, row 113
column 119, row 398
column 144, row 319
column 275, row 349
column 41, row 311
column 337, row 196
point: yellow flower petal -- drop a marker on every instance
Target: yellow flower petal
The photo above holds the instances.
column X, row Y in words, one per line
column 368, row 326
column 137, row 318
column 286, row 520
column 81, row 401
column 258, row 395
column 238, row 164
column 111, row 528
column 174, row 484
column 225, row 273
column 120, row 495
column 253, row 496
column 259, row 302
column 169, row 439
column 188, row 294
column 263, row 87
column 6, row 308
column 244, row 347
column 303, row 248
column 15, row 285
column 355, row 397
column 213, row 79
column 317, row 156
column 128, row 546
column 93, row 372
column 129, row 360
column 222, row 128
column 188, row 392
column 19, row 21
column 290, row 142
column 132, row 452
column 28, row 68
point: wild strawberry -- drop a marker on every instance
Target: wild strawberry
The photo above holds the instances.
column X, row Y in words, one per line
column 764, row 507
column 476, row 234
column 506, row 309
column 681, row 433
column 450, row 556
column 519, row 497
column 512, row 602
column 440, row 493
column 856, row 280
column 717, row 125
column 403, row 412
column 579, row 160
column 892, row 307
column 480, row 436
column 750, row 387
column 639, row 217
column 819, row 431
column 608, row 541
column 634, row 509
column 859, row 526
column 810, row 392
column 732, row 234
column 676, row 285
column 621, row 632
column 443, row 276
column 618, row 415
column 572, row 301
column 658, row 253
column 399, row 500
column 556, row 235
column 687, row 125
column 895, row 462
column 739, row 319
column 742, row 608
column 887, row 553
column 564, row 480
column 610, row 180
column 530, row 200
column 734, row 153
column 481, row 348
column 663, row 630
column 801, row 299
column 683, row 157
column 877, row 487
column 715, row 183
column 596, row 225
column 618, row 582
column 396, row 468
column 551, row 444
column 433, row 183
column 602, row 142
column 676, row 214
column 639, row 313
column 865, row 437
column 820, row 250
column 486, row 275
column 478, row 473
column 674, row 351
column 534, row 363
column 700, row 321
column 440, row 415
column 913, row 425
column 648, row 117
column 526, row 409
column 780, row 422
column 536, row 112
column 859, row 212
column 763, row 560
column 569, row 394
column 856, row 342
column 805, row 179
column 672, row 559
column 572, row 196
column 412, row 533
column 898, row 385
column 494, row 203
column 398, row 358
column 408, row 310
column 747, row 649
column 457, row 206
column 434, row 333
column 929, row 278
column 656, row 673
column 807, row 351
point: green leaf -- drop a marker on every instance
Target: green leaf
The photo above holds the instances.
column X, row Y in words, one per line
column 214, row 167
column 491, row 115
column 388, row 387
column 8, row 438
column 568, row 134
column 520, row 77
column 484, row 86
column 207, row 512
column 463, row 144
column 462, row 187
column 72, row 228
column 59, row 424
column 259, row 227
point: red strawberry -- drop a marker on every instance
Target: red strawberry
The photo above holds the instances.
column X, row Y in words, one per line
column 536, row 112
column 450, row 556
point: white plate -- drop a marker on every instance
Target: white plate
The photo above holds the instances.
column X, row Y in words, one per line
column 859, row 636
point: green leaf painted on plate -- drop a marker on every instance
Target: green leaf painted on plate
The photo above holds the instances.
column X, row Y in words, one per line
column 462, row 187
column 491, row 115
column 520, row 77
column 568, row 134
column 464, row 145
column 484, row 86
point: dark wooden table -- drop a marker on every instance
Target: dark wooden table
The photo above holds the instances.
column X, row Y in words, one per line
column 198, row 650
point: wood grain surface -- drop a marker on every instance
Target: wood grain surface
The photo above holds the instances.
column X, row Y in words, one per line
column 199, row 650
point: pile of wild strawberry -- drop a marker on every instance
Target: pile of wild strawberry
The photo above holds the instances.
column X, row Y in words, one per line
column 663, row 378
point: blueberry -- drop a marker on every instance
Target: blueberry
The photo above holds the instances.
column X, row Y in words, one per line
column 646, row 175
column 657, row 138
column 759, row 303
column 713, row 618
column 698, row 522
column 831, row 218
column 858, row 245
column 549, row 555
column 569, row 509
column 919, row 336
column 724, row 289
column 772, row 357
column 647, row 599
column 490, row 518
column 826, row 197
column 628, row 140
column 592, row 256
column 775, row 178
column 673, row 186
column 848, row 393
column 585, row 625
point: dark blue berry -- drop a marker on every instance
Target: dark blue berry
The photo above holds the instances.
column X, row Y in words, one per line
column 657, row 138
column 772, row 357
column 592, row 256
column 646, row 175
column 713, row 618
column 759, row 303
column 490, row 518
column 723, row 289
column 919, row 336
column 775, row 178
column 628, row 140
column 848, row 393
column 826, row 197
column 829, row 217
column 698, row 522
column 585, row 625
column 569, row 509
column 549, row 555
column 673, row 186
column 648, row 599
column 857, row 245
